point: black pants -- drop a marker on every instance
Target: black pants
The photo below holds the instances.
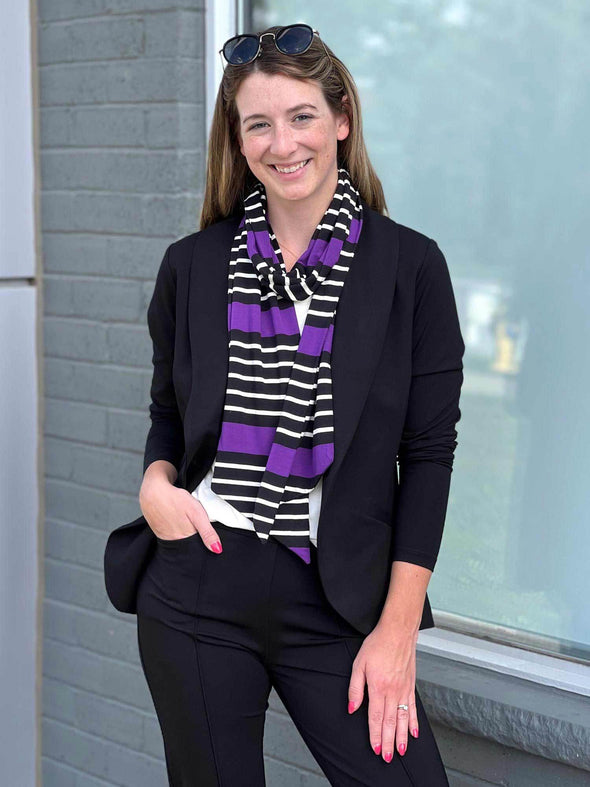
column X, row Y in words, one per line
column 217, row 632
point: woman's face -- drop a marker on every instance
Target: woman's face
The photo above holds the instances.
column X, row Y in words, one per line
column 286, row 133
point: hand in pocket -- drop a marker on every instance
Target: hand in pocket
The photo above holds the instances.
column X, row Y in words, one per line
column 173, row 513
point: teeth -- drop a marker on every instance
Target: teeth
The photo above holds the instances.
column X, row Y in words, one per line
column 291, row 169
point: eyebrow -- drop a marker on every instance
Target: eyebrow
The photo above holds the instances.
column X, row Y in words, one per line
column 287, row 112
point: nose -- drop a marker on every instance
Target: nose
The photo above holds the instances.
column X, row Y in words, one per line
column 283, row 142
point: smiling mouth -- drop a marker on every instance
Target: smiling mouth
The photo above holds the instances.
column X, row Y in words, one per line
column 299, row 166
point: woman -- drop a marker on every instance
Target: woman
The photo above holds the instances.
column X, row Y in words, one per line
column 303, row 342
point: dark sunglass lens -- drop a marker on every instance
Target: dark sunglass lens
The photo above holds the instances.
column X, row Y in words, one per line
column 241, row 49
column 295, row 39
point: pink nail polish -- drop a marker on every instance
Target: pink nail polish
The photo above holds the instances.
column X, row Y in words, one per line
column 351, row 707
column 377, row 748
column 415, row 732
column 388, row 756
column 402, row 748
column 216, row 547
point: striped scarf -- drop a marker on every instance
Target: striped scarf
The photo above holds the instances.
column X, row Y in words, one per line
column 277, row 433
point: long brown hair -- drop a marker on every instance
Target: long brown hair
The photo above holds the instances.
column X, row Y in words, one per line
column 229, row 179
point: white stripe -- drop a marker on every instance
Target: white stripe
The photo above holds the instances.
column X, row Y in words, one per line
column 292, row 416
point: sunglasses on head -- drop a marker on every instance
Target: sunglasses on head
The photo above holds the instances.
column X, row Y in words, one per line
column 290, row 40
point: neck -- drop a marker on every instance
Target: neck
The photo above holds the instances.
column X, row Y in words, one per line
column 294, row 221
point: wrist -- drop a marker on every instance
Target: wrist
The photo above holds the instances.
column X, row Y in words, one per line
column 400, row 623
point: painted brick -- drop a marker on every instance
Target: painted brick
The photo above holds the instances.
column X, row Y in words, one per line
column 127, row 430
column 124, row 508
column 146, row 171
column 93, row 298
column 121, row 256
column 58, row 457
column 75, row 585
column 50, row 10
column 156, row 79
column 99, row 757
column 74, row 543
column 122, row 140
column 104, row 468
column 76, row 339
column 108, row 677
column 54, row 124
column 75, row 420
column 107, row 126
column 165, row 129
column 119, row 213
column 184, row 33
column 104, row 39
column 96, row 384
column 71, row 503
column 58, row 774
column 126, row 345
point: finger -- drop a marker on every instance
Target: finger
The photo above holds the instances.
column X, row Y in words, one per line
column 375, row 713
column 210, row 538
column 356, row 688
column 403, row 718
column 413, row 720
column 207, row 532
column 389, row 726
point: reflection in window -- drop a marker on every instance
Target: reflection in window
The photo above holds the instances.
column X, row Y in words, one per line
column 476, row 116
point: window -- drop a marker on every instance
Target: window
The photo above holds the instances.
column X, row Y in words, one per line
column 476, row 118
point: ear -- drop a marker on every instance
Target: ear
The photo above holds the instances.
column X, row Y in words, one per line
column 343, row 119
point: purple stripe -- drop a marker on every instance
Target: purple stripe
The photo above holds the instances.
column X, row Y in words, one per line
column 249, row 317
column 333, row 253
column 329, row 338
column 257, row 440
column 244, row 438
column 304, row 462
column 313, row 340
column 355, row 230
column 316, row 249
column 303, row 552
column 258, row 242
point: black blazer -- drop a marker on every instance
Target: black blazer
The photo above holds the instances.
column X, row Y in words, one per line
column 397, row 372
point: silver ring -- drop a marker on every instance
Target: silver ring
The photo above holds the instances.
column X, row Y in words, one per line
column 405, row 707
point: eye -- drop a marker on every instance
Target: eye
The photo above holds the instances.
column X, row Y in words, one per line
column 262, row 123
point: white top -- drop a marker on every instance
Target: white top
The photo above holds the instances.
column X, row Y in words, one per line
column 219, row 510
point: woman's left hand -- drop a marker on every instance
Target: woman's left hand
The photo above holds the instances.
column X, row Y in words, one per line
column 387, row 662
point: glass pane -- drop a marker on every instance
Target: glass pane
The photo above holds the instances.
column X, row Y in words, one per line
column 477, row 119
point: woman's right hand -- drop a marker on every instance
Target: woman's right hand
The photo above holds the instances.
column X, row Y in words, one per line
column 173, row 513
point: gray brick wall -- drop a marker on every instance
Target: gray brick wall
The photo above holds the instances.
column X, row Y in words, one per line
column 122, row 135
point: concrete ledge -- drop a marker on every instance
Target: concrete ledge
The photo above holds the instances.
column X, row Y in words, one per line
column 471, row 761
column 527, row 714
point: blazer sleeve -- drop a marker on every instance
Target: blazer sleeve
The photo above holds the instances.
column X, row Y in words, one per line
column 165, row 438
column 428, row 441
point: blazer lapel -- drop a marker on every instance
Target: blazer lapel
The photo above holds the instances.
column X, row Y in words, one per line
column 361, row 323
column 209, row 340
column 359, row 332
